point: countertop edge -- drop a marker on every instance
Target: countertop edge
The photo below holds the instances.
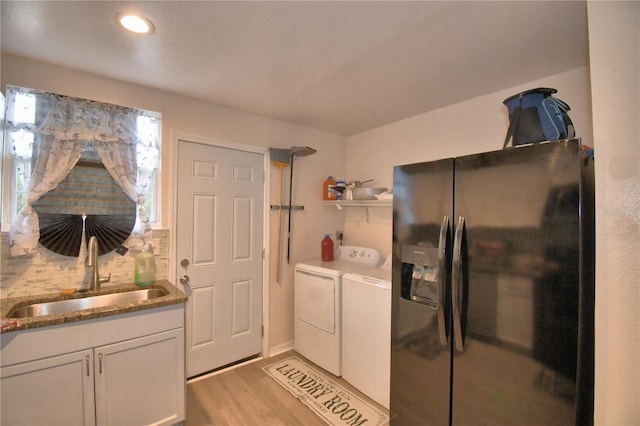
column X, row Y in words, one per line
column 175, row 296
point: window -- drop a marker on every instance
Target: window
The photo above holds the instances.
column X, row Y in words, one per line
column 22, row 146
column 54, row 141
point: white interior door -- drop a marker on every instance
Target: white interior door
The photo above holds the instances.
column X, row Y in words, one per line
column 219, row 247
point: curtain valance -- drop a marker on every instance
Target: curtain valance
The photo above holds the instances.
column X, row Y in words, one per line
column 69, row 118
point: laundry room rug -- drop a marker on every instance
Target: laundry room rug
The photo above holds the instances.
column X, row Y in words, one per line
column 329, row 400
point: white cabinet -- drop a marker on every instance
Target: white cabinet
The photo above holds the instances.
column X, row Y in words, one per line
column 51, row 391
column 123, row 370
column 141, row 381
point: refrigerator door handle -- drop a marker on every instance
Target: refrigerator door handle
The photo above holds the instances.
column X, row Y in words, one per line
column 442, row 280
column 456, row 284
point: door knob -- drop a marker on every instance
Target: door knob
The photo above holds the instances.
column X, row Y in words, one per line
column 184, row 263
column 184, row 280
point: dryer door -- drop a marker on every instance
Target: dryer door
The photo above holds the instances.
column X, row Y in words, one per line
column 315, row 300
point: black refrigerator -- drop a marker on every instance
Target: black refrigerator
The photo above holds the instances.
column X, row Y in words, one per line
column 493, row 288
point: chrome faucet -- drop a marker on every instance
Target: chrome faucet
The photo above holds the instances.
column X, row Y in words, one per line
column 92, row 262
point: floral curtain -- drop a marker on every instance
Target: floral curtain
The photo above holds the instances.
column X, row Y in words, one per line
column 52, row 131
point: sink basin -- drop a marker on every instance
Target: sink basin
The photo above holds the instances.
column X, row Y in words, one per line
column 90, row 302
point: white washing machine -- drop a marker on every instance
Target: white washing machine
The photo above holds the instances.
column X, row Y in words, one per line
column 317, row 304
column 366, row 331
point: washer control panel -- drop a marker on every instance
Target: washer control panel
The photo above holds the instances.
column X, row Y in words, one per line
column 367, row 256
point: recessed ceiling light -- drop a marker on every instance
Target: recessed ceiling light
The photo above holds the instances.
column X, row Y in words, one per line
column 135, row 23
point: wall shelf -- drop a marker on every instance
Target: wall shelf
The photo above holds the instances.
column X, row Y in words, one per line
column 360, row 203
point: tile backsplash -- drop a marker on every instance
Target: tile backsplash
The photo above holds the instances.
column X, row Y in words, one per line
column 47, row 272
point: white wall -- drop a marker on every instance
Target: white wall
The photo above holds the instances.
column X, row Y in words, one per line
column 475, row 125
column 183, row 115
column 614, row 39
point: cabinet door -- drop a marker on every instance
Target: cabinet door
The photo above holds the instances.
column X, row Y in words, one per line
column 141, row 381
column 50, row 391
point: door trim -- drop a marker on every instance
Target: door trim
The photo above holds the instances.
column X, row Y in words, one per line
column 266, row 232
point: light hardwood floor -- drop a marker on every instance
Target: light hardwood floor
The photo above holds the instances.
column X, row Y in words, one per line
column 247, row 396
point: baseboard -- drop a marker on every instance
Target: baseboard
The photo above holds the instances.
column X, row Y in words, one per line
column 276, row 350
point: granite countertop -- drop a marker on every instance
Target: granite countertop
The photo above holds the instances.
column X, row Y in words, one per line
column 174, row 296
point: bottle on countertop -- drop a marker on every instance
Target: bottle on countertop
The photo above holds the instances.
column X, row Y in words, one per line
column 145, row 269
column 329, row 189
column 327, row 248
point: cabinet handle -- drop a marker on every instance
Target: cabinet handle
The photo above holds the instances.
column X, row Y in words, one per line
column 100, row 363
column 88, row 372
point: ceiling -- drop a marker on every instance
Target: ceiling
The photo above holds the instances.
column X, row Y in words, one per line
column 343, row 66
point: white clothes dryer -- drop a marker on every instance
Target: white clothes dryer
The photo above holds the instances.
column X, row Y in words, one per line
column 318, row 304
column 366, row 331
